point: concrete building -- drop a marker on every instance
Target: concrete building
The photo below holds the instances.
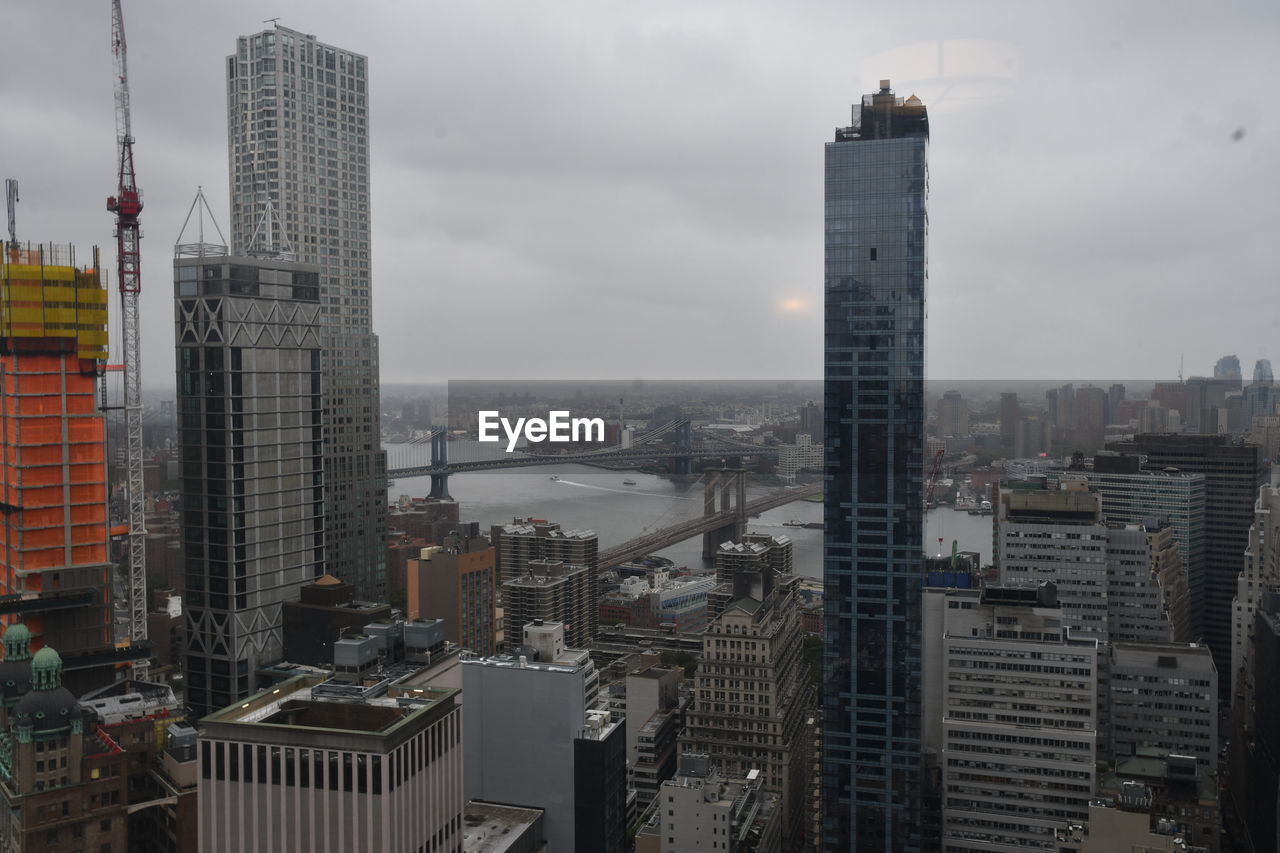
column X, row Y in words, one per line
column 752, row 695
column 876, row 191
column 325, row 612
column 1147, row 592
column 493, row 828
column 456, row 582
column 656, row 601
column 700, row 810
column 53, row 343
column 1255, row 756
column 248, row 353
column 953, row 415
column 534, row 736
column 1089, row 427
column 298, row 148
column 1010, row 717
column 654, row 717
column 553, row 591
column 1164, row 696
column 750, row 566
column 314, row 766
column 1125, row 825
column 1033, row 436
column 1232, row 475
column 805, row 455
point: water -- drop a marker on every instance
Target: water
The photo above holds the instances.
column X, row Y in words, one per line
column 595, row 499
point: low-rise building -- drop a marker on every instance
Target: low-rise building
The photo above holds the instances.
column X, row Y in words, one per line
column 700, row 809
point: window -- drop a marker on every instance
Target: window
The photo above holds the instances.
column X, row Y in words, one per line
column 105, row 826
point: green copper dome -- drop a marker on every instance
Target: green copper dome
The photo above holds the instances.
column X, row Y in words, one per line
column 17, row 642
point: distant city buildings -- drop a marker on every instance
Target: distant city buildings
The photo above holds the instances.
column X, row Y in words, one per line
column 805, row 454
column 1228, row 367
column 953, row 415
column 1010, row 417
column 876, row 188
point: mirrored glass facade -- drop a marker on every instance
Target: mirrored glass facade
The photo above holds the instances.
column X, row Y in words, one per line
column 876, row 225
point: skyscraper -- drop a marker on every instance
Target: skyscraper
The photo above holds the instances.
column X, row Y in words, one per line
column 876, row 188
column 248, row 351
column 298, row 142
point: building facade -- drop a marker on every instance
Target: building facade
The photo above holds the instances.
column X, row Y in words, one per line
column 1233, row 471
column 251, row 437
column 1010, row 717
column 298, row 146
column 310, row 767
column 1164, row 696
column 876, row 225
column 702, row 809
column 53, row 474
column 456, row 582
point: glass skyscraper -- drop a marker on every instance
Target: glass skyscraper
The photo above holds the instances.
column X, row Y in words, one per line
column 298, row 142
column 876, row 187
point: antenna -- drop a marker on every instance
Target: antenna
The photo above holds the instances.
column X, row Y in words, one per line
column 11, row 199
column 272, row 21
column 1181, row 356
column 267, row 227
column 199, row 249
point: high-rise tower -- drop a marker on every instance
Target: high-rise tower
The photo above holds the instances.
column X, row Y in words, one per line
column 876, row 187
column 298, row 141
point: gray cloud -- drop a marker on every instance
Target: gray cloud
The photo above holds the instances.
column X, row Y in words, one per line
column 619, row 189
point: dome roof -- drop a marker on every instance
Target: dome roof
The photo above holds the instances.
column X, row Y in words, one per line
column 46, row 659
column 15, row 678
column 17, row 633
column 46, row 710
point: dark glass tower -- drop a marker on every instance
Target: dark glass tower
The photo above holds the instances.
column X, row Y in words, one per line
column 877, row 183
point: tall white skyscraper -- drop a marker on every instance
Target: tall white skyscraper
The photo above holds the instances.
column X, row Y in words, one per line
column 298, row 143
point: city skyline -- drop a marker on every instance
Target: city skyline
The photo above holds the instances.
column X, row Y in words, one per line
column 630, row 113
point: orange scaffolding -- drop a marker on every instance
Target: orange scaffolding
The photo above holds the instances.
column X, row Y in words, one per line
column 53, row 488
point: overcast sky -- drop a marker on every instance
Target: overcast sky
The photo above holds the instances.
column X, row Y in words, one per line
column 634, row 189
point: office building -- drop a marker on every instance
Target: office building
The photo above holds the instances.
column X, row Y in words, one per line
column 1232, row 472
column 876, row 187
column 953, row 415
column 1010, row 415
column 298, row 146
column 1255, row 759
column 1258, row 400
column 701, row 809
column 751, row 566
column 535, row 736
column 1207, row 403
column 1148, row 600
column 53, row 474
column 654, row 716
column 552, row 591
column 493, row 828
column 253, row 504
column 1164, row 696
column 811, row 421
column 1089, row 426
column 751, row 670
column 1057, row 535
column 325, row 612
column 63, row 781
column 1132, row 494
column 1115, row 402
column 311, row 766
column 1010, row 707
column 456, row 582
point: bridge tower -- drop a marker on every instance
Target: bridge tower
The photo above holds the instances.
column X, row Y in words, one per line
column 439, row 458
column 727, row 483
column 683, row 465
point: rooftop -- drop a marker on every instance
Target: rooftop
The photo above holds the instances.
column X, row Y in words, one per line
column 491, row 828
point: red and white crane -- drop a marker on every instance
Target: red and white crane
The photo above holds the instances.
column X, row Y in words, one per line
column 126, row 204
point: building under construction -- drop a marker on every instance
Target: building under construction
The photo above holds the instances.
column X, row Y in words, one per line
column 54, row 566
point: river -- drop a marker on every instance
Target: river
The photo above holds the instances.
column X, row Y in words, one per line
column 590, row 498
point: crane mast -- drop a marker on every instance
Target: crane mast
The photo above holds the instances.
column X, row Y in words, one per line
column 126, row 204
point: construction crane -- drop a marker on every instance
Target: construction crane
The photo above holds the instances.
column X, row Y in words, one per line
column 126, row 204
column 932, row 482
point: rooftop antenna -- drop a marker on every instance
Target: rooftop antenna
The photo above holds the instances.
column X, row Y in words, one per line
column 272, row 21
column 11, row 200
column 267, row 226
column 199, row 249
column 1181, row 356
